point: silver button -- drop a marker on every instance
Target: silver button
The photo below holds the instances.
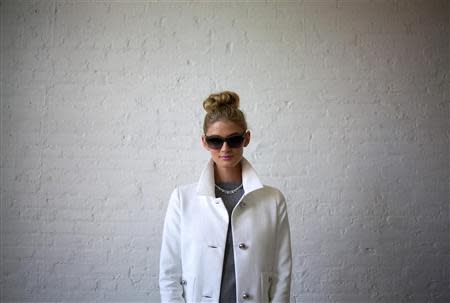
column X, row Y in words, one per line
column 183, row 282
column 242, row 246
column 245, row 296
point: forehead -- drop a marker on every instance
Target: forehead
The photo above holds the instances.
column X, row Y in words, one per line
column 224, row 128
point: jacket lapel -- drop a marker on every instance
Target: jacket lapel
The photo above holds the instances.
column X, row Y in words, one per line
column 250, row 179
column 205, row 185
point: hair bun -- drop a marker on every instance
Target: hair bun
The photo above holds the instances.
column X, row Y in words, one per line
column 222, row 99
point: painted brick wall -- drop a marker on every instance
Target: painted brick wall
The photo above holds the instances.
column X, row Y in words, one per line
column 101, row 116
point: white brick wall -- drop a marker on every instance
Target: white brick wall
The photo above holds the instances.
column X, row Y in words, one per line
column 101, row 115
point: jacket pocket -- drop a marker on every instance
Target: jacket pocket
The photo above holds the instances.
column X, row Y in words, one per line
column 266, row 283
column 188, row 284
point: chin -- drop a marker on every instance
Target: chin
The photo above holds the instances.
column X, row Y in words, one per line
column 229, row 163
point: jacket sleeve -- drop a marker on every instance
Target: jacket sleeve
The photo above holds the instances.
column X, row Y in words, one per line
column 170, row 258
column 281, row 282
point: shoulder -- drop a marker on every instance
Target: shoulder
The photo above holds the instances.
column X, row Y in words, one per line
column 273, row 192
column 270, row 195
column 185, row 190
column 279, row 201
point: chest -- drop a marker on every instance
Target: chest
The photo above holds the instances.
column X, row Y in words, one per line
column 206, row 220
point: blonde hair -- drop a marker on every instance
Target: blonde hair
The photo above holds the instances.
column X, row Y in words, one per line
column 223, row 106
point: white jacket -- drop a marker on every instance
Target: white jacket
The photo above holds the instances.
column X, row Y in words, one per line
column 194, row 236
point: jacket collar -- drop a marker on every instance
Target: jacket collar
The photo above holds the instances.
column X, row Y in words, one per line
column 250, row 179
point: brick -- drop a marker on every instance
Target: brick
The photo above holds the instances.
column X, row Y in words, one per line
column 347, row 102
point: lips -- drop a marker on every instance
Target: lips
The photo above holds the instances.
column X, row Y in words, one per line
column 225, row 158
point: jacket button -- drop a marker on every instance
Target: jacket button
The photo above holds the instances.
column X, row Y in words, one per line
column 242, row 246
column 243, row 205
column 183, row 282
column 245, row 296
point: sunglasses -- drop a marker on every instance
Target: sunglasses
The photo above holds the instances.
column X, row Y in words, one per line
column 216, row 142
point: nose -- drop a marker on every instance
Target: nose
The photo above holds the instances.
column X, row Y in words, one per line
column 225, row 147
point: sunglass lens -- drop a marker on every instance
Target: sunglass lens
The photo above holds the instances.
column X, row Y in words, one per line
column 235, row 141
column 215, row 143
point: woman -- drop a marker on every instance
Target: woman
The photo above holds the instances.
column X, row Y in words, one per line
column 226, row 238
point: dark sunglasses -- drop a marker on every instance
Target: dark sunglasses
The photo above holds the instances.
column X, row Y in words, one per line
column 216, row 142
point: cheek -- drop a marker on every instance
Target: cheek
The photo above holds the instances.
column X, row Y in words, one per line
column 214, row 152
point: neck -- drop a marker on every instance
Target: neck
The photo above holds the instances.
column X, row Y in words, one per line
column 228, row 174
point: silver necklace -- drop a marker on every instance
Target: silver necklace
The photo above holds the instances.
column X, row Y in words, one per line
column 228, row 192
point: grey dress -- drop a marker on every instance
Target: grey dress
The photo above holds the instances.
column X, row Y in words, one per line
column 228, row 284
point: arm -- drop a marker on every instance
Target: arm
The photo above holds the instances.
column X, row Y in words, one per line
column 170, row 258
column 281, row 283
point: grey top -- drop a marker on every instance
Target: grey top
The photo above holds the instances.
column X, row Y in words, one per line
column 228, row 284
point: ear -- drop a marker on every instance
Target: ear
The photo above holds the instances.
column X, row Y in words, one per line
column 205, row 146
column 247, row 138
